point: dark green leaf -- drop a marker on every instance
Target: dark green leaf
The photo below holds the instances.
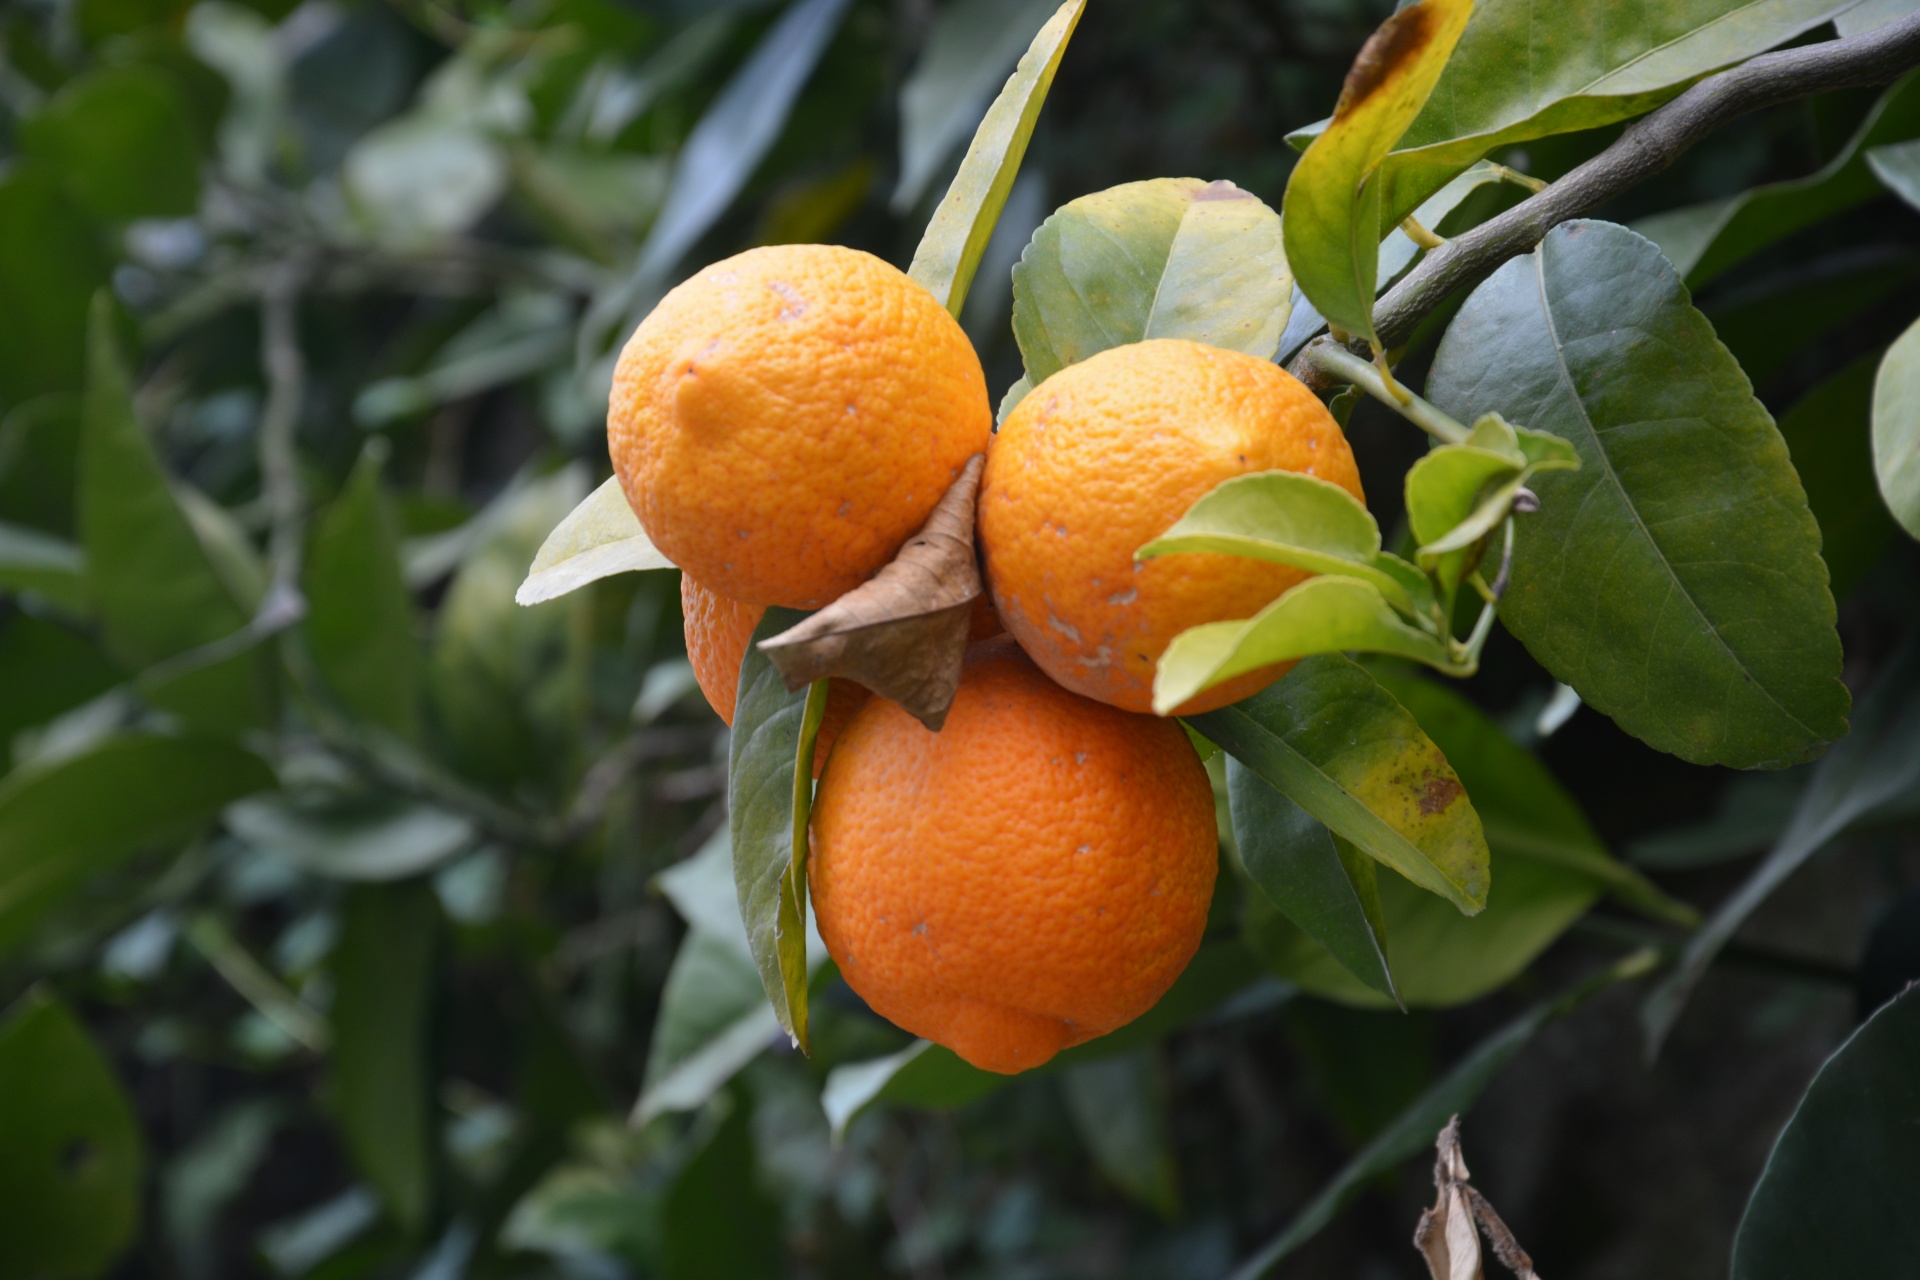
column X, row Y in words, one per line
column 1773, row 327
column 351, row 837
column 360, row 617
column 1166, row 258
column 718, row 1223
column 55, row 830
column 970, row 48
column 1829, row 432
column 122, row 140
column 383, row 968
column 956, row 236
column 1878, row 761
column 49, row 567
column 50, row 266
column 1675, row 579
column 1333, row 213
column 39, row 453
column 1330, row 893
column 1119, row 1105
column 1704, row 240
column 1896, row 429
column 1583, row 67
column 71, row 1155
column 46, row 669
column 150, row 579
column 763, row 783
column 1835, row 1198
column 1338, row 745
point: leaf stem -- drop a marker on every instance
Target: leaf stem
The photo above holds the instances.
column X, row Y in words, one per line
column 1337, row 362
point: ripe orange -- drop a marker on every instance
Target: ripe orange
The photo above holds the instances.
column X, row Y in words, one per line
column 1032, row 876
column 785, row 420
column 1102, row 458
column 718, row 632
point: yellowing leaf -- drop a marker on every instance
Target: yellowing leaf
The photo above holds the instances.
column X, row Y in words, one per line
column 1332, row 217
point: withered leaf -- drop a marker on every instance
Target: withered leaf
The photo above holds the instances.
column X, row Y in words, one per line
column 903, row 633
column 1446, row 1236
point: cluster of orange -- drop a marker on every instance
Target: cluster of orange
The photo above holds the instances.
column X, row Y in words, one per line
column 1039, row 871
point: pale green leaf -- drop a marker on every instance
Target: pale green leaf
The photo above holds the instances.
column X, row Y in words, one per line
column 599, row 538
column 1896, row 429
column 956, row 236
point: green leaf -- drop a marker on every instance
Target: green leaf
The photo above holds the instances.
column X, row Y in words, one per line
column 1459, row 493
column 153, row 586
column 1333, row 211
column 370, row 837
column 1119, row 1106
column 1704, row 240
column 717, row 1222
column 1334, row 742
column 1524, row 810
column 1773, row 327
column 1833, row 1198
column 121, row 139
column 1829, row 432
column 50, row 265
column 1166, row 258
column 381, row 1088
column 510, row 684
column 1877, row 762
column 714, row 1019
column 956, row 236
column 1583, row 68
column 360, row 615
column 1322, row 615
column 970, row 49
column 49, row 567
column 599, row 538
column 1284, row 517
column 1897, row 165
column 55, row 832
column 526, row 333
column 46, row 669
column 1896, row 429
column 767, row 797
column 72, row 1161
column 1319, row 881
column 1675, row 580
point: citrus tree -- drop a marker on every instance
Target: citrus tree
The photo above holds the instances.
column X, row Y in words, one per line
column 403, row 830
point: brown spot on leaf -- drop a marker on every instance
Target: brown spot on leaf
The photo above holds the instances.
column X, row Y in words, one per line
column 1438, row 794
column 1220, row 189
column 1398, row 43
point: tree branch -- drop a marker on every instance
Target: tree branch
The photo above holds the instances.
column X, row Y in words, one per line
column 1648, row 146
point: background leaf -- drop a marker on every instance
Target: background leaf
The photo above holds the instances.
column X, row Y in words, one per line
column 1829, row 432
column 1896, row 429
column 348, row 837
column 1333, row 214
column 71, row 1153
column 1832, row 1197
column 1166, row 258
column 1334, row 742
column 384, row 968
column 360, row 615
column 55, row 831
column 45, row 565
column 1675, row 579
column 50, row 266
column 1119, row 1105
column 718, row 1223
column 962, row 224
column 122, row 140
column 1704, row 240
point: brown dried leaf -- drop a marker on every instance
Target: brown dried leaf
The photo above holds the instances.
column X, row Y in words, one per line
column 903, row 633
column 1446, row 1236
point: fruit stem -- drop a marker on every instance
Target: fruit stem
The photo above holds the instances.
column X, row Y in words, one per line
column 1337, row 362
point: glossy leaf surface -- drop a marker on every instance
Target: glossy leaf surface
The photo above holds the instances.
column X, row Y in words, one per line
column 1675, row 579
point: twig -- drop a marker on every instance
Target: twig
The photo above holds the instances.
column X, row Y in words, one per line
column 286, row 369
column 1647, row 147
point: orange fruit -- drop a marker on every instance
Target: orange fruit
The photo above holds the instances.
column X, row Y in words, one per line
column 1032, row 876
column 785, row 420
column 718, row 632
column 1104, row 457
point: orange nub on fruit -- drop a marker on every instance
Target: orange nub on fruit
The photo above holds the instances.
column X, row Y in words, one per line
column 785, row 420
column 1104, row 457
column 718, row 632
column 1032, row 876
